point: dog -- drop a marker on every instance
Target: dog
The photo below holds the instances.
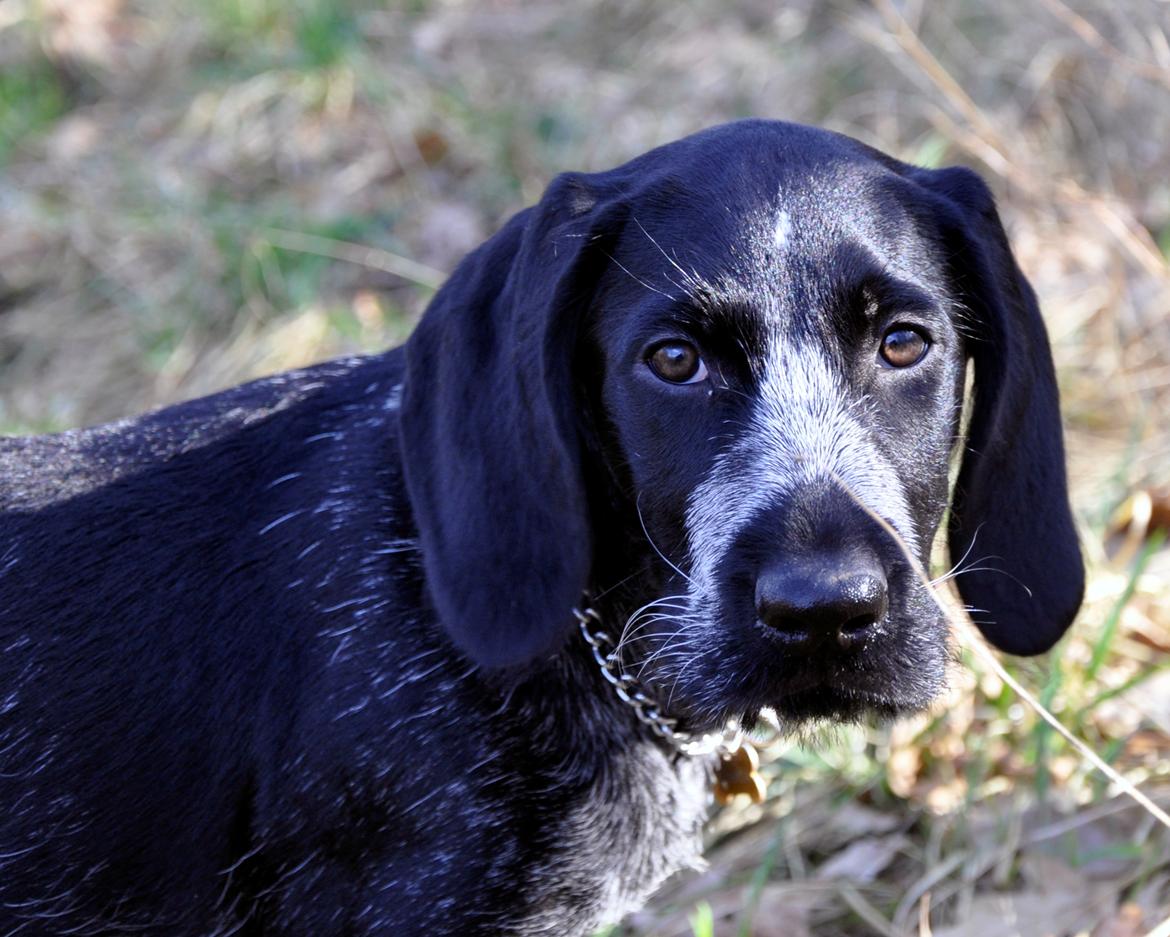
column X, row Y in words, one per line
column 447, row 640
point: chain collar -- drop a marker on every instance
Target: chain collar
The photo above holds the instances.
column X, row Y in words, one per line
column 628, row 689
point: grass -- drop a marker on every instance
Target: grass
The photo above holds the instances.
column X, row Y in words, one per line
column 194, row 195
column 30, row 102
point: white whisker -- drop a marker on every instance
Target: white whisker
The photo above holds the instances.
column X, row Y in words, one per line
column 650, row 540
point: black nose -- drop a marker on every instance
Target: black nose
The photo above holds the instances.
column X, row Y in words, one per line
column 811, row 602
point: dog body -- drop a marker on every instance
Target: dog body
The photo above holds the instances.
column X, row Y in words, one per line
column 293, row 659
column 322, row 776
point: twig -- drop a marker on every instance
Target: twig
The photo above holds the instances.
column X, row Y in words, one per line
column 1086, row 752
column 976, row 644
column 372, row 257
column 985, row 142
column 930, row 66
column 866, row 911
column 924, row 917
column 1091, row 36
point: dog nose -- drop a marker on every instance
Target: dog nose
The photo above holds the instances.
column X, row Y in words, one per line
column 810, row 604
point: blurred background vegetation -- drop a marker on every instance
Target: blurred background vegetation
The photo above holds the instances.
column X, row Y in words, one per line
column 195, row 193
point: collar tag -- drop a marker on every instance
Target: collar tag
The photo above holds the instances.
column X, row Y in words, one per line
column 739, row 773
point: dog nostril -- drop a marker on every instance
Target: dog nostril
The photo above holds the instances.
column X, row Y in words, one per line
column 807, row 605
column 859, row 624
column 797, row 635
column 856, row 631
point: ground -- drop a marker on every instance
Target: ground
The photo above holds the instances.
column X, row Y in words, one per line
column 192, row 194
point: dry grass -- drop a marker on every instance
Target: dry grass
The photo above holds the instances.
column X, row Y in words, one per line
column 192, row 194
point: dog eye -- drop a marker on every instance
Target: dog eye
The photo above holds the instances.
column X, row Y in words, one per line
column 678, row 363
column 903, row 346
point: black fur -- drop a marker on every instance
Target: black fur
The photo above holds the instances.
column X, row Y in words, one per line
column 293, row 659
column 1011, row 498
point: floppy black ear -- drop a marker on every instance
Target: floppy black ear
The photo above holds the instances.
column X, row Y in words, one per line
column 489, row 427
column 1010, row 511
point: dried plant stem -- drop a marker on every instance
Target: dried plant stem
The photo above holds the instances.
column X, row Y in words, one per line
column 1123, row 784
column 975, row 643
column 347, row 251
column 924, row 929
column 982, row 139
column 1091, row 36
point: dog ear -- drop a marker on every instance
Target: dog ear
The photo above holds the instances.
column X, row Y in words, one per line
column 1010, row 515
column 489, row 427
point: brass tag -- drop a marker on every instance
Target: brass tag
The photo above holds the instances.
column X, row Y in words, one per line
column 738, row 773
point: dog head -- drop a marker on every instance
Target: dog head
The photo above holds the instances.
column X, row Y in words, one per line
column 743, row 356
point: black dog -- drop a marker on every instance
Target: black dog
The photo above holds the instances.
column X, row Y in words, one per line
column 301, row 658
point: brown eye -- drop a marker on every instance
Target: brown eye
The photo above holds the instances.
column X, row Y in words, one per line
column 678, row 363
column 902, row 347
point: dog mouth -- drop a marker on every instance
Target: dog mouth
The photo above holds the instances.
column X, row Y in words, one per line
column 711, row 667
column 887, row 680
column 827, row 701
column 800, row 703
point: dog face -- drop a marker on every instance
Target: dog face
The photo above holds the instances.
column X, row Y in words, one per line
column 759, row 335
column 785, row 396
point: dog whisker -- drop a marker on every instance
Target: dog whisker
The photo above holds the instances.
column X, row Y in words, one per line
column 674, row 686
column 955, row 573
column 677, row 639
column 597, row 597
column 650, row 540
column 647, row 615
column 962, row 559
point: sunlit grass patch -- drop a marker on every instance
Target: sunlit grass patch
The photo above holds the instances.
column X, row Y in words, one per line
column 32, row 97
column 305, row 33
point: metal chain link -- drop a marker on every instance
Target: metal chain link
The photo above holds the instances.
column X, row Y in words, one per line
column 646, row 708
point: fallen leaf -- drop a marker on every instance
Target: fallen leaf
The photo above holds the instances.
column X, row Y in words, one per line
column 1048, row 874
column 1034, row 913
column 853, row 820
column 1140, row 516
column 1127, row 921
column 864, row 860
column 784, row 911
column 432, row 146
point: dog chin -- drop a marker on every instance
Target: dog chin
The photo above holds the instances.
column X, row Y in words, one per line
column 842, row 706
column 799, row 706
column 756, row 676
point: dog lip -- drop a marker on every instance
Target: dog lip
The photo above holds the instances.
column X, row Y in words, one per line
column 806, row 695
column 806, row 701
column 823, row 694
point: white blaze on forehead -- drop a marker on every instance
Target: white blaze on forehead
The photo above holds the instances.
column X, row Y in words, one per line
column 783, row 230
column 802, row 430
